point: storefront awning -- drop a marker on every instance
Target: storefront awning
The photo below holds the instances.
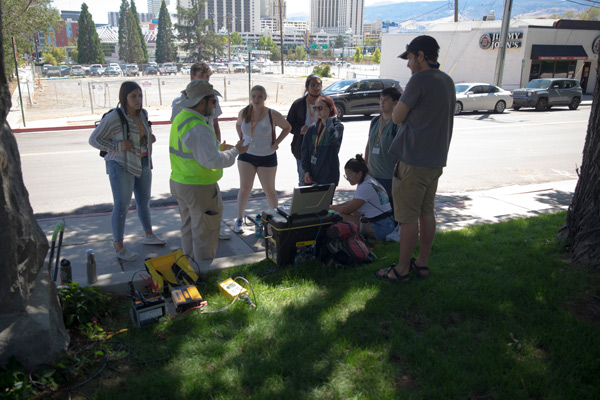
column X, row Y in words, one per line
column 557, row 52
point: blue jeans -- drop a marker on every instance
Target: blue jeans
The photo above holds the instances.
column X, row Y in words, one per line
column 123, row 184
column 383, row 227
column 300, row 173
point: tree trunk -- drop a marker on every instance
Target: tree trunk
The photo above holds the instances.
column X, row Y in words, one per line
column 582, row 227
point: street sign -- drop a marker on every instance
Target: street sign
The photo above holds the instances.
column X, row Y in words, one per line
column 314, row 46
column 325, row 47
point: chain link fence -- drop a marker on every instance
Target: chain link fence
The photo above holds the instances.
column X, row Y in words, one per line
column 70, row 96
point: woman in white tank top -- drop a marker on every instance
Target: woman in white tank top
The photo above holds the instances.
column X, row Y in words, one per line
column 256, row 125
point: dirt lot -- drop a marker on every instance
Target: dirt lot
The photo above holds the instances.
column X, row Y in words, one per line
column 60, row 98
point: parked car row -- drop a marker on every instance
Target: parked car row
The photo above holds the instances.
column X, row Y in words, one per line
column 358, row 96
column 541, row 94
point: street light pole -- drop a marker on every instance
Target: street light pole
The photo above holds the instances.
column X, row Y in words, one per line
column 228, row 19
column 280, row 2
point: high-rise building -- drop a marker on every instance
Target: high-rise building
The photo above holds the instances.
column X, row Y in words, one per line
column 272, row 8
column 337, row 16
column 243, row 15
column 154, row 7
column 113, row 18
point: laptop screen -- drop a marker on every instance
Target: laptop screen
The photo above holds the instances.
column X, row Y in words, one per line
column 311, row 199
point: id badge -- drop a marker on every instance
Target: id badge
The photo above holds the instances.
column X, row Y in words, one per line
column 313, row 160
column 376, row 150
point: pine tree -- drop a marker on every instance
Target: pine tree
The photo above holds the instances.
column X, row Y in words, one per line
column 130, row 48
column 376, row 56
column 136, row 53
column 124, row 32
column 165, row 49
column 138, row 28
column 198, row 42
column 88, row 41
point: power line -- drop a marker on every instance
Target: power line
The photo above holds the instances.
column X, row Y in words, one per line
column 428, row 12
column 587, row 5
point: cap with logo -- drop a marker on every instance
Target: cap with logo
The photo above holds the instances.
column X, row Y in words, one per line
column 423, row 43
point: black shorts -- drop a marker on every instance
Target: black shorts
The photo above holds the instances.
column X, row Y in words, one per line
column 259, row 161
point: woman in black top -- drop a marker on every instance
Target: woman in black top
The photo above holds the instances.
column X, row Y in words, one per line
column 301, row 115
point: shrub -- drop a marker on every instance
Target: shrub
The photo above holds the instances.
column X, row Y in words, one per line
column 323, row 70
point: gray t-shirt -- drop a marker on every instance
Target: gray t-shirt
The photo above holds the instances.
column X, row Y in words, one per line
column 381, row 162
column 425, row 134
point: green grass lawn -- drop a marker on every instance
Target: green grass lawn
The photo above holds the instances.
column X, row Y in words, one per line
column 503, row 316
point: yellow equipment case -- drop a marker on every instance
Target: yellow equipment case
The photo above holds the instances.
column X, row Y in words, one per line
column 171, row 270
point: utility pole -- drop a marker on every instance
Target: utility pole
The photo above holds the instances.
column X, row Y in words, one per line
column 498, row 74
column 455, row 10
column 228, row 19
column 280, row 2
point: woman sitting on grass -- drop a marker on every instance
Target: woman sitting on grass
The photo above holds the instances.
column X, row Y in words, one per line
column 370, row 202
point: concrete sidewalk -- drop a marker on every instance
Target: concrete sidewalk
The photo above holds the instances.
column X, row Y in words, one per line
column 454, row 211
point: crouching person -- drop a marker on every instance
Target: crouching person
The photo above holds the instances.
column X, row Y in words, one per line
column 197, row 162
column 370, row 208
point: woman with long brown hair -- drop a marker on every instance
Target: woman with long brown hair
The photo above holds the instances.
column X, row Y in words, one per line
column 128, row 164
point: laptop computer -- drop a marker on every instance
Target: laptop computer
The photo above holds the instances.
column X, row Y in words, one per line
column 309, row 200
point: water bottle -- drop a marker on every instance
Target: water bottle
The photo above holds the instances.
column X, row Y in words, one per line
column 91, row 267
column 257, row 226
column 66, row 275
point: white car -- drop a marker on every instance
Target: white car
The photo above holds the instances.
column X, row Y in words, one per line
column 220, row 68
column 481, row 96
column 117, row 67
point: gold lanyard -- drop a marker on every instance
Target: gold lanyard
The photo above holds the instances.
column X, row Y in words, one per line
column 140, row 125
column 320, row 136
column 381, row 128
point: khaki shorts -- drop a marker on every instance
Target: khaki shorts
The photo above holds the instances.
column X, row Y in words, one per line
column 413, row 190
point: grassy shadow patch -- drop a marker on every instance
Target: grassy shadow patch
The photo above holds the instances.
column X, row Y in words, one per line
column 498, row 318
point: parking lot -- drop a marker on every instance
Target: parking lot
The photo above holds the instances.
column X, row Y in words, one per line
column 71, row 96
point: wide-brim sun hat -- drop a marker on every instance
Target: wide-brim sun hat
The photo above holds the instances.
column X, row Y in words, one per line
column 196, row 91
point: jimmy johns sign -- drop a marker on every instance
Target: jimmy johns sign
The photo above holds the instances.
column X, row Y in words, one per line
column 492, row 40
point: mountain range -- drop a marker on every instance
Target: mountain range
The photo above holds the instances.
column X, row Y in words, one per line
column 423, row 11
column 468, row 10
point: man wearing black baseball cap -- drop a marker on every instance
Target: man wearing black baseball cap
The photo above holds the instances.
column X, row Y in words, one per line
column 426, row 114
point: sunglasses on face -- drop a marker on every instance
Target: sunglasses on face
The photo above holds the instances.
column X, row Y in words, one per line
column 319, row 108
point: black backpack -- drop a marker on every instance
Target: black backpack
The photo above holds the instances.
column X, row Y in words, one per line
column 124, row 123
column 345, row 246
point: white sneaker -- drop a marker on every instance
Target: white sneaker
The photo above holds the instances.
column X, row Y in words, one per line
column 237, row 227
column 126, row 255
column 153, row 239
column 224, row 235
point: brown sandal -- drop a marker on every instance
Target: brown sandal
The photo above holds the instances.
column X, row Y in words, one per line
column 383, row 274
column 418, row 270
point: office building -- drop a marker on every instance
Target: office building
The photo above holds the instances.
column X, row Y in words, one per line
column 342, row 17
column 242, row 15
column 154, row 7
column 113, row 18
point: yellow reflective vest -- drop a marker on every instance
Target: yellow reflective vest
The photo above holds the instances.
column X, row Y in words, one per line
column 184, row 167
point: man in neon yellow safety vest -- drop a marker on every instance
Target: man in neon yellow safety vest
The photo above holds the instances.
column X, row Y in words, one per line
column 197, row 162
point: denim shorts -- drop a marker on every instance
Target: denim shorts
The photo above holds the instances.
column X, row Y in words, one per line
column 383, row 227
column 259, row 161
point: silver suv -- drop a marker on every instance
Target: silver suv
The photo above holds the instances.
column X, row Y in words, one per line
column 547, row 92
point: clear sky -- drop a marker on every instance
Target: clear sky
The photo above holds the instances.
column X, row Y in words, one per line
column 100, row 8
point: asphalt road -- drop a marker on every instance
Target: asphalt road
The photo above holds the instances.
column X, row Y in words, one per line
column 64, row 175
